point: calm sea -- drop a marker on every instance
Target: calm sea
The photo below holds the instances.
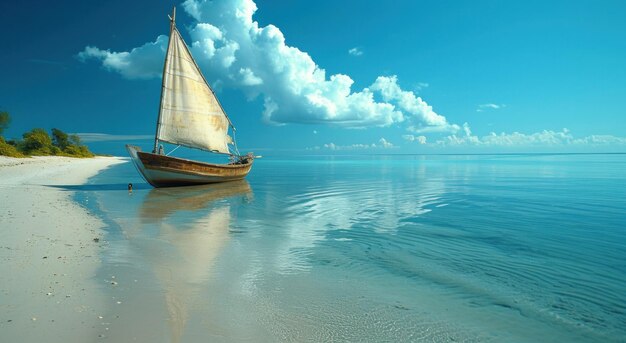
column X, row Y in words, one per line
column 476, row 248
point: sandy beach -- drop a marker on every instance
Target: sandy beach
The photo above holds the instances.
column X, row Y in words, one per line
column 49, row 251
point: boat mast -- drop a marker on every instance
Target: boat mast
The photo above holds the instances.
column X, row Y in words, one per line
column 167, row 54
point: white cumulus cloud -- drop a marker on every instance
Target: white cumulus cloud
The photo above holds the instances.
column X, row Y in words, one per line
column 384, row 143
column 144, row 62
column 412, row 138
column 417, row 108
column 248, row 77
column 235, row 51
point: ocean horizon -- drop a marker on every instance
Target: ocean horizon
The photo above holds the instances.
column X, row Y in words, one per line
column 479, row 247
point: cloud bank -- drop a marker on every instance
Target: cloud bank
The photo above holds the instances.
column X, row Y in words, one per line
column 417, row 139
column 545, row 138
column 235, row 51
column 381, row 144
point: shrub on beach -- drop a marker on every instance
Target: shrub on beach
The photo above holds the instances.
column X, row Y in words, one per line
column 38, row 142
column 78, row 151
column 6, row 149
column 72, row 145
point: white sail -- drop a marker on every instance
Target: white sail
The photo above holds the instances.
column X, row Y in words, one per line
column 190, row 115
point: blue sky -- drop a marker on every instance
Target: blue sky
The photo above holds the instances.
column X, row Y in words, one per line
column 331, row 76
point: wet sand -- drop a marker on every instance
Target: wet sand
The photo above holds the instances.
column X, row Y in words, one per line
column 49, row 251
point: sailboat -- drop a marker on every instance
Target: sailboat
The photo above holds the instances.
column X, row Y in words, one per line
column 190, row 115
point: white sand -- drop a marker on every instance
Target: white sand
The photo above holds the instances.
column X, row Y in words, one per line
column 48, row 256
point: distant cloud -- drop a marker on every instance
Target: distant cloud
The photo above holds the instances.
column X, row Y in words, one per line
column 484, row 107
column 466, row 129
column 101, row 137
column 381, row 144
column 355, row 52
column 452, row 128
column 418, row 139
column 236, row 52
column 421, row 85
column 545, row 138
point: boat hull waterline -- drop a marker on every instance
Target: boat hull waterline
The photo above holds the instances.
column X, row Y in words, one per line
column 165, row 171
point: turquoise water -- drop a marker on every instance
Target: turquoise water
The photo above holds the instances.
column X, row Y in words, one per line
column 478, row 248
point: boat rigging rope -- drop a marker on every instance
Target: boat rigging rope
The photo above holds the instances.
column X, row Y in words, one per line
column 235, row 140
column 172, row 150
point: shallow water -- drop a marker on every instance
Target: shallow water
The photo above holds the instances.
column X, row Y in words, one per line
column 520, row 248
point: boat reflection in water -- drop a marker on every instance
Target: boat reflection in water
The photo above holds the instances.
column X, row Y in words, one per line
column 186, row 250
column 161, row 203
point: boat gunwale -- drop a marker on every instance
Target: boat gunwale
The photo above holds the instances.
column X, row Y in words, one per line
column 241, row 175
column 192, row 162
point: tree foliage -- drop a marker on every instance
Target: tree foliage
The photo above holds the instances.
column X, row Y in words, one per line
column 5, row 120
column 38, row 142
column 7, row 149
column 74, row 139
column 60, row 139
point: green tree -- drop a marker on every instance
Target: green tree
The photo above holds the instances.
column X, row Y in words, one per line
column 5, row 120
column 60, row 139
column 37, row 142
column 74, row 139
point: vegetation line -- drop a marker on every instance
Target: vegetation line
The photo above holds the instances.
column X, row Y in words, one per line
column 37, row 142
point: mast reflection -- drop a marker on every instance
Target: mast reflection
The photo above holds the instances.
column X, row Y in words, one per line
column 193, row 226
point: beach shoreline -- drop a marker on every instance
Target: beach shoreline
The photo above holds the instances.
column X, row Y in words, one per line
column 49, row 250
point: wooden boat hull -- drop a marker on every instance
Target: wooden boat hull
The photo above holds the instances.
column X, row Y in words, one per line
column 166, row 171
